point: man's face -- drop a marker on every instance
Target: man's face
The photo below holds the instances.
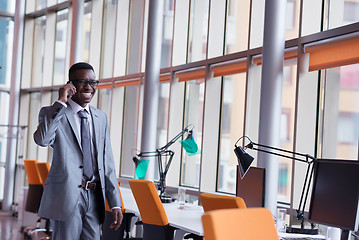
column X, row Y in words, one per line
column 84, row 92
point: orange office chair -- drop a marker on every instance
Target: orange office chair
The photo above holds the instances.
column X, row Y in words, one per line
column 240, row 224
column 43, row 169
column 34, row 194
column 153, row 215
column 124, row 232
column 215, row 201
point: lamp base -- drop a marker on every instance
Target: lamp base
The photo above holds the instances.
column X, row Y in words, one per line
column 166, row 199
column 302, row 230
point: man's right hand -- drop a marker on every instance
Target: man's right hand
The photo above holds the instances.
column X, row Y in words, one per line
column 66, row 91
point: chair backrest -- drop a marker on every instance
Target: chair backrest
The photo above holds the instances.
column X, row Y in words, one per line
column 122, row 203
column 43, row 168
column 246, row 224
column 34, row 193
column 215, row 201
column 148, row 202
column 33, row 176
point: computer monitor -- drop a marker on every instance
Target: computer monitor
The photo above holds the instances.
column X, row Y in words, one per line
column 251, row 188
column 334, row 200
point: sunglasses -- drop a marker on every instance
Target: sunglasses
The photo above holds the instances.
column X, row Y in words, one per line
column 83, row 82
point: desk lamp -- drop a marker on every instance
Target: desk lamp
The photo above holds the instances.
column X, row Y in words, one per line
column 164, row 152
column 245, row 160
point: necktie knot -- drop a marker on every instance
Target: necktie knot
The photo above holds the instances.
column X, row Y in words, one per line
column 83, row 113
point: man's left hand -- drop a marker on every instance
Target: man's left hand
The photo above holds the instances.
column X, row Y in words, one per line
column 117, row 218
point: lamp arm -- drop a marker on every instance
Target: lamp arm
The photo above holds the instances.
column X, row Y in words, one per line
column 307, row 156
column 173, row 140
column 278, row 154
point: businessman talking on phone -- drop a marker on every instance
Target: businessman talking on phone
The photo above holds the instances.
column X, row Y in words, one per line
column 82, row 171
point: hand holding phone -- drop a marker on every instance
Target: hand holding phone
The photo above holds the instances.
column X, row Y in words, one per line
column 66, row 92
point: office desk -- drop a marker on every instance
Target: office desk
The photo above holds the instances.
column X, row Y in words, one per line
column 188, row 219
column 288, row 236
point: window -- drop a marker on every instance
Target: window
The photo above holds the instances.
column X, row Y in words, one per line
column 6, row 47
column 237, row 25
column 232, row 123
column 194, row 96
column 108, row 41
column 166, row 51
column 86, row 32
column 198, row 30
column 339, row 132
column 39, row 49
column 60, row 70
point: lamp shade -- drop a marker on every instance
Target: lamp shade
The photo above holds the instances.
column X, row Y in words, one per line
column 141, row 169
column 190, row 145
column 244, row 160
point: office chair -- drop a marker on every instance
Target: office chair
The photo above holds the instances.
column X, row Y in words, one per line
column 34, row 195
column 124, row 232
column 240, row 224
column 153, row 215
column 43, row 168
column 215, row 201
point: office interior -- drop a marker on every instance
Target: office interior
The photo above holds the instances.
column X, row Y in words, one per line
column 212, row 66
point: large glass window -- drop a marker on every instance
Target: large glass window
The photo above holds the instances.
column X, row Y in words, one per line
column 237, row 25
column 340, row 113
column 40, row 4
column 198, row 26
column 292, row 19
column 86, row 32
column 39, row 51
column 7, row 6
column 163, row 109
column 311, row 19
column 104, row 100
column 130, row 129
column 193, row 115
column 167, row 33
column 60, row 70
column 232, row 123
column 6, row 47
column 108, row 41
column 287, row 129
column 342, row 12
column 4, row 118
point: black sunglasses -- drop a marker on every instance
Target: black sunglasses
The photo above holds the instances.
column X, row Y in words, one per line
column 83, row 82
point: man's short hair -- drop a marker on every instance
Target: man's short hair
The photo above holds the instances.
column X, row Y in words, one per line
column 78, row 66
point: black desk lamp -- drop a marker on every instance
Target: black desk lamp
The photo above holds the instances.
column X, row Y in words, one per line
column 245, row 160
column 164, row 152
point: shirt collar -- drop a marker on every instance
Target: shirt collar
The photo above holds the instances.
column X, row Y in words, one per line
column 76, row 107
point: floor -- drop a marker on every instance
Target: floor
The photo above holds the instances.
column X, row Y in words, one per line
column 10, row 228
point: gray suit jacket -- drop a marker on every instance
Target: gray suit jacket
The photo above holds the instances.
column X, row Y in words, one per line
column 57, row 128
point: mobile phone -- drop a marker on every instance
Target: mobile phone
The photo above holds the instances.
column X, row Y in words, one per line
column 69, row 94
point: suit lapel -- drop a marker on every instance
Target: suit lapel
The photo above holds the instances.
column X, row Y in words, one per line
column 96, row 126
column 71, row 119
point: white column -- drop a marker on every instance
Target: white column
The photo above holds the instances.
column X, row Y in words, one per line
column 151, row 87
column 76, row 32
column 271, row 95
column 14, row 105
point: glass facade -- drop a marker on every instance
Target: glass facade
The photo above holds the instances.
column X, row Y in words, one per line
column 319, row 108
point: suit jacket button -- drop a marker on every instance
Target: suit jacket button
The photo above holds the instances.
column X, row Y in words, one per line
column 81, row 166
column 79, row 186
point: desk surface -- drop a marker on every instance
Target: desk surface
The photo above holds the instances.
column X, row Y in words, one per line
column 288, row 236
column 188, row 219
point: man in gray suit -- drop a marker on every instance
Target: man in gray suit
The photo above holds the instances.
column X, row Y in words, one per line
column 82, row 172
